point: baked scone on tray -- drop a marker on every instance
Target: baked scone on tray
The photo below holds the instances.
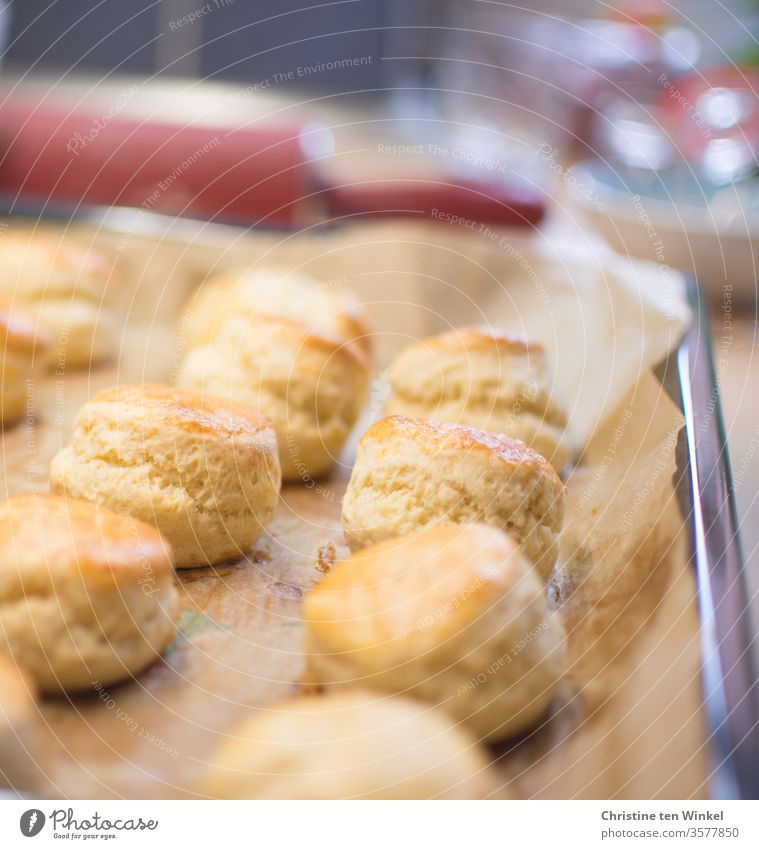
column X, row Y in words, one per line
column 411, row 474
column 351, row 745
column 74, row 608
column 64, row 284
column 203, row 470
column 325, row 309
column 311, row 385
column 454, row 615
column 482, row 377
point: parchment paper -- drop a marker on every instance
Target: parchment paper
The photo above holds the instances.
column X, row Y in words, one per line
column 628, row 721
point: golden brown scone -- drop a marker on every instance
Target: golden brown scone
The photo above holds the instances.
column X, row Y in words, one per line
column 311, row 386
column 203, row 471
column 86, row 596
column 330, row 310
column 63, row 284
column 484, row 378
column 455, row 615
column 352, row 745
column 23, row 349
column 414, row 473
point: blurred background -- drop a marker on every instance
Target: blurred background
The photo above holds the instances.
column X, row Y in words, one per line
column 636, row 123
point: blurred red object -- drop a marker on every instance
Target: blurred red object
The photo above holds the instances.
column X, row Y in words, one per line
column 469, row 201
column 712, row 117
column 253, row 175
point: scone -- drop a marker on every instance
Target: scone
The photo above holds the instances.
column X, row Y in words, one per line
column 18, row 717
column 310, row 385
column 352, row 745
column 484, row 378
column 203, row 471
column 413, row 473
column 328, row 309
column 63, row 284
column 23, row 349
column 454, row 615
column 86, row 596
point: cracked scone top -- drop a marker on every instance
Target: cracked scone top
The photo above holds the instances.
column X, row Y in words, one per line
column 204, row 471
column 331, row 310
column 413, row 473
column 481, row 377
column 312, row 386
column 86, row 595
column 455, row 615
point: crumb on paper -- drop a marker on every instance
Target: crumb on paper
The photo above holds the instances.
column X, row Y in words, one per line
column 286, row 590
column 325, row 558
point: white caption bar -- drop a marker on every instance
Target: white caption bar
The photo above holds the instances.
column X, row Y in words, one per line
column 384, row 825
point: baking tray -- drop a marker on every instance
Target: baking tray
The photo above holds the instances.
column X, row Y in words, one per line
column 728, row 635
column 703, row 484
